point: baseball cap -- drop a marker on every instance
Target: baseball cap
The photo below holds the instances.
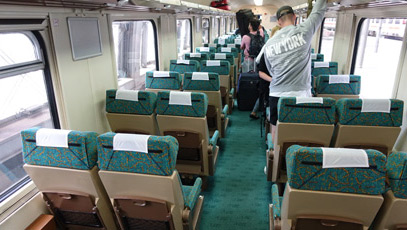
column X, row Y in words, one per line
column 284, row 10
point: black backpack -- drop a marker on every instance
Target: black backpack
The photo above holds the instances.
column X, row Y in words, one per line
column 256, row 43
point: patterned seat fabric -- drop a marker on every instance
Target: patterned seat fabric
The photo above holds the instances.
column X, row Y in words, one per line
column 397, row 173
column 204, row 49
column 333, row 69
column 197, row 56
column 213, row 84
column 81, row 154
column 191, row 193
column 232, row 50
column 229, row 57
column 352, row 88
column 198, row 108
column 349, row 113
column 318, row 58
column 144, row 106
column 223, row 69
column 304, row 171
column 181, row 68
column 312, row 113
column 171, row 82
column 160, row 159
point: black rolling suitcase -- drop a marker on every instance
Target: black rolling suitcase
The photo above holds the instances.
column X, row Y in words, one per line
column 243, row 16
column 247, row 92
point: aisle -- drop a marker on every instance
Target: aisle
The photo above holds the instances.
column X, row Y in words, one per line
column 238, row 194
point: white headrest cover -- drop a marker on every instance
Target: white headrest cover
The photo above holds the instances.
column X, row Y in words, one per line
column 128, row 95
column 344, row 158
column 161, row 74
column 376, row 105
column 180, row 98
column 130, row 142
column 52, row 138
column 303, row 100
column 321, row 64
column 202, row 76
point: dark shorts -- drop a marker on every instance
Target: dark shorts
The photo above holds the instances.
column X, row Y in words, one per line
column 273, row 101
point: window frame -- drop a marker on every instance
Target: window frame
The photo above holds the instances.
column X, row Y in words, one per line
column 191, row 40
column 209, row 28
column 26, row 67
column 321, row 34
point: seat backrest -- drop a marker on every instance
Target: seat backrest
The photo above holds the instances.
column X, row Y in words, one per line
column 296, row 110
column 318, row 68
column 130, row 101
column 223, row 56
column 305, row 171
column 212, row 45
column 163, row 80
column 397, row 173
column 77, row 151
column 201, row 81
column 216, row 66
column 196, row 106
column 338, row 84
column 159, row 160
column 317, row 57
column 232, row 50
column 197, row 56
column 352, row 112
column 182, row 66
column 205, row 49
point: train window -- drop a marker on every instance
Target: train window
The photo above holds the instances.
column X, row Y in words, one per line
column 184, row 37
column 26, row 100
column 224, row 26
column 133, row 43
column 216, row 27
column 205, row 30
column 327, row 38
column 231, row 24
column 376, row 57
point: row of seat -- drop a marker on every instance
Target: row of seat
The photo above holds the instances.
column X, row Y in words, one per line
column 178, row 114
column 137, row 186
column 360, row 123
column 319, row 195
column 159, row 80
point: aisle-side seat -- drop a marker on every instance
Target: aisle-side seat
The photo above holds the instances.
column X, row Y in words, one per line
column 145, row 190
column 163, row 80
column 233, row 72
column 131, row 111
column 62, row 165
column 368, row 123
column 317, row 57
column 209, row 84
column 338, row 86
column 319, row 68
column 393, row 214
column 183, row 115
column 196, row 56
column 183, row 66
column 303, row 121
column 232, row 50
column 206, row 50
column 321, row 194
column 223, row 69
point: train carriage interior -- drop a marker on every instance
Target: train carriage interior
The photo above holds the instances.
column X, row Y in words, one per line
column 139, row 114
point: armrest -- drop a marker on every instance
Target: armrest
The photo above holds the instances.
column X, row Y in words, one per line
column 275, row 199
column 192, row 193
column 214, row 138
column 225, row 109
column 270, row 145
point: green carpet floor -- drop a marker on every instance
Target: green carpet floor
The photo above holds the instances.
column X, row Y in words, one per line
column 239, row 194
